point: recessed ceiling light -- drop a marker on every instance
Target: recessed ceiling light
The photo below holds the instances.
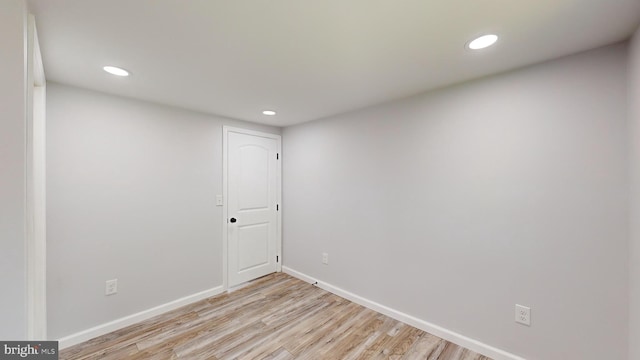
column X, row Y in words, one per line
column 269, row 112
column 116, row 71
column 482, row 42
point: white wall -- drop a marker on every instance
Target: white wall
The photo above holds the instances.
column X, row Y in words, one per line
column 634, row 214
column 13, row 114
column 454, row 205
column 130, row 195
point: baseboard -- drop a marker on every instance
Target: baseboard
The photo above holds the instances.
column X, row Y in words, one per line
column 436, row 330
column 120, row 323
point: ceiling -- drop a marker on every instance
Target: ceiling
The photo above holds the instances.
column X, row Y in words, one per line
column 307, row 59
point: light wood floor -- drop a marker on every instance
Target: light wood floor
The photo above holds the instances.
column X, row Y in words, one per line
column 274, row 317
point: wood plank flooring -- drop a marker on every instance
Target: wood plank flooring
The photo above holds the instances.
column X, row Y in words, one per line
column 276, row 317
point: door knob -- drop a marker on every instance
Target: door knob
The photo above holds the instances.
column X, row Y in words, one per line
column 232, row 220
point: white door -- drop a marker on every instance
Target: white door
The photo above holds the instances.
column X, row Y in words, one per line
column 252, row 211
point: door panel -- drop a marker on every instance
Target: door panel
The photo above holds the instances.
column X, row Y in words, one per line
column 252, row 190
column 253, row 187
column 253, row 246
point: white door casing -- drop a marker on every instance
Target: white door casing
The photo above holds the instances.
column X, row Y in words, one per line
column 36, row 189
column 251, row 208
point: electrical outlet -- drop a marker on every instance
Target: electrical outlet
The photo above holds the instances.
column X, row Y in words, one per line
column 325, row 258
column 111, row 287
column 523, row 315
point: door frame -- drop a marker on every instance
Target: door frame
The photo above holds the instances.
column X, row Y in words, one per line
column 35, row 195
column 225, row 192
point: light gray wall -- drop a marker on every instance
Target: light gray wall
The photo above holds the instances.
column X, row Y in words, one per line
column 13, row 316
column 634, row 213
column 455, row 205
column 130, row 195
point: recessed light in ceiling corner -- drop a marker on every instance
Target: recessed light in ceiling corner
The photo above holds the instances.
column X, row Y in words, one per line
column 114, row 70
column 482, row 42
column 269, row 112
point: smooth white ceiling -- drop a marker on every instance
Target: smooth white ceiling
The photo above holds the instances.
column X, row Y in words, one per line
column 308, row 59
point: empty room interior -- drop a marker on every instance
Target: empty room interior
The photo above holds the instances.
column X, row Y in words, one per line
column 339, row 179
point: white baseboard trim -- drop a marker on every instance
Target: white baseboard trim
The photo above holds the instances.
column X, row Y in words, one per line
column 436, row 330
column 120, row 323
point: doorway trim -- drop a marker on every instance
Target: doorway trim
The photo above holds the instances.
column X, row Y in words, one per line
column 225, row 187
column 35, row 196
